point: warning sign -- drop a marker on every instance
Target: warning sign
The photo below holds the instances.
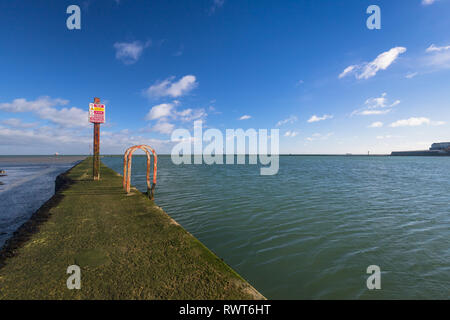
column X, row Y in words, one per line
column 96, row 113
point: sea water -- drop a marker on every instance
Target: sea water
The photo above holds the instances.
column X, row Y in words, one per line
column 29, row 182
column 312, row 230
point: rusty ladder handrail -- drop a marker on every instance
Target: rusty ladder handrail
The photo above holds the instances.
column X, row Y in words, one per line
column 127, row 159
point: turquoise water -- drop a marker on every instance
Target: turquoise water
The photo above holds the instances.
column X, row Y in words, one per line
column 311, row 231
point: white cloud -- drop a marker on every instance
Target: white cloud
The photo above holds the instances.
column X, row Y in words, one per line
column 376, row 106
column 66, row 140
column 347, row 71
column 370, row 69
column 373, row 112
column 165, row 111
column 159, row 111
column 17, row 123
column 185, row 113
column 315, row 118
column 191, row 114
column 439, row 57
column 396, row 102
column 117, row 142
column 163, row 127
column 22, row 105
column 411, row 122
column 385, row 137
column 66, row 117
column 291, row 119
column 168, row 88
column 382, row 62
column 379, row 102
column 130, row 52
column 428, row 2
column 291, row 134
column 40, row 136
column 377, row 124
column 319, row 136
column 440, row 60
column 411, row 75
column 433, row 48
column 44, row 107
column 245, row 117
column 414, row 122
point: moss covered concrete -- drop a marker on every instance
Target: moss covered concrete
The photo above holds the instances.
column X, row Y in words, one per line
column 126, row 246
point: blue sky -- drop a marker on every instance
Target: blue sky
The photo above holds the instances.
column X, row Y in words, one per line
column 309, row 68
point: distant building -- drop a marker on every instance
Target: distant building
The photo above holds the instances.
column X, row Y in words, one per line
column 436, row 149
column 440, row 146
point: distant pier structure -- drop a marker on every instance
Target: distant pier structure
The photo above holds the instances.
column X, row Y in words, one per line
column 436, row 149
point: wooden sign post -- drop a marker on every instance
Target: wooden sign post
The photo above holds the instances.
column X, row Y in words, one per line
column 96, row 116
column 96, row 169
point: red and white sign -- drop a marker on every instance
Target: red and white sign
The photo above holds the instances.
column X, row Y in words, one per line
column 96, row 113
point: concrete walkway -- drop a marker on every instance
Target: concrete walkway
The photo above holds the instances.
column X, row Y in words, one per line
column 125, row 245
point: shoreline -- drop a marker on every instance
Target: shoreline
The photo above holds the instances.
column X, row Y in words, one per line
column 31, row 226
column 108, row 238
column 25, row 186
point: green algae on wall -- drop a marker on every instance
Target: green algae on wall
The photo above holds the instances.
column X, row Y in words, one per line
column 126, row 246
